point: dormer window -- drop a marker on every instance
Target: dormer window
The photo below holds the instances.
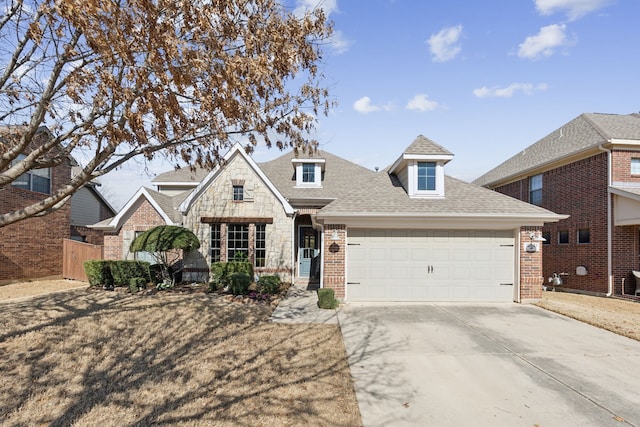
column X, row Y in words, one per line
column 426, row 176
column 308, row 172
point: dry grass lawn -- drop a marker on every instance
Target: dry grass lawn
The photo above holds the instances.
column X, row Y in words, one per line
column 93, row 358
column 612, row 314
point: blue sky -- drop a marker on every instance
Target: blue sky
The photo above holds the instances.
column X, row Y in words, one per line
column 484, row 79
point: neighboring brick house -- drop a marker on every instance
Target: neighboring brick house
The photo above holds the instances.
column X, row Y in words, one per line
column 32, row 248
column 588, row 169
column 408, row 233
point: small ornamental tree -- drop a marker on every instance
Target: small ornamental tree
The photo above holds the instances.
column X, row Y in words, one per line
column 164, row 243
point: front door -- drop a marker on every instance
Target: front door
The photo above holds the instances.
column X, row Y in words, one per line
column 307, row 251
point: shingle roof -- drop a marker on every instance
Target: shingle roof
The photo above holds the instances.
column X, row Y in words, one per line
column 423, row 145
column 169, row 204
column 181, row 175
column 385, row 195
column 340, row 177
column 585, row 132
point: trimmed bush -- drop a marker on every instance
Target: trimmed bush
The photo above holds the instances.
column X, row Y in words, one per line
column 99, row 273
column 269, row 284
column 327, row 299
column 137, row 283
column 124, row 270
column 239, row 283
column 222, row 271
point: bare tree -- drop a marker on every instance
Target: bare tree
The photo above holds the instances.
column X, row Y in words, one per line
column 116, row 79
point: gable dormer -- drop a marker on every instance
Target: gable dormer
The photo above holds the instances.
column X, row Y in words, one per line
column 420, row 168
column 308, row 172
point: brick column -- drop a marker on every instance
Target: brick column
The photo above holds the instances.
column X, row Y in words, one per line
column 334, row 259
column 531, row 278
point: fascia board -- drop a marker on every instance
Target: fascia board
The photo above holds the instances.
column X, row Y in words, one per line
column 469, row 222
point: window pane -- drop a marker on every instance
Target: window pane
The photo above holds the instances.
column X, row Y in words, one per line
column 308, row 172
column 261, row 244
column 584, row 236
column 426, row 176
column 238, row 192
column 546, row 235
column 215, row 242
column 237, row 240
column 563, row 237
column 40, row 184
column 535, row 190
column 635, row 166
column 23, row 181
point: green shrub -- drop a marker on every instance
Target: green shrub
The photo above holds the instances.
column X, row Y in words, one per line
column 123, row 270
column 137, row 283
column 239, row 283
column 99, row 273
column 155, row 273
column 269, row 284
column 222, row 271
column 327, row 299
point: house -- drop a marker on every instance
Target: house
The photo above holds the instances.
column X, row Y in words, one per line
column 32, row 248
column 407, row 233
column 588, row 169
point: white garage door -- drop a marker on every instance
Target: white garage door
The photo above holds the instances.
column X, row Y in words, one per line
column 430, row 265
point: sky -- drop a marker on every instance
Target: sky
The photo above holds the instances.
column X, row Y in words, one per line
column 484, row 79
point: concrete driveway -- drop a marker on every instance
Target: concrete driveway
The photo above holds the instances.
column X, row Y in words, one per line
column 488, row 365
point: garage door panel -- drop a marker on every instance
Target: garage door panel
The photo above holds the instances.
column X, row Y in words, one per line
column 430, row 265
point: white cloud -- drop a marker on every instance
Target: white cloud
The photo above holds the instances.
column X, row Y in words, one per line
column 339, row 44
column 421, row 102
column 544, row 43
column 444, row 45
column 509, row 91
column 574, row 8
column 303, row 6
column 364, row 105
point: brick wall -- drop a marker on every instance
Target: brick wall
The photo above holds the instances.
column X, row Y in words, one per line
column 334, row 252
column 32, row 248
column 578, row 189
column 144, row 217
column 531, row 276
column 621, row 161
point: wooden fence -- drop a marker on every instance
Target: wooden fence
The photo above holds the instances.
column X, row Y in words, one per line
column 74, row 254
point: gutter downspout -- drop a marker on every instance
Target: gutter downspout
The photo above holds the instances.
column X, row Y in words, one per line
column 321, row 285
column 609, row 223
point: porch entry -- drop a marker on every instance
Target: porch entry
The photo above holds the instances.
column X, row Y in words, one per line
column 308, row 252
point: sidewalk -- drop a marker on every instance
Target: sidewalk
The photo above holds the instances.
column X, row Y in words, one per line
column 301, row 306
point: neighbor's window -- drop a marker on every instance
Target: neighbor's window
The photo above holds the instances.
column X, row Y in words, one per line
column 426, row 176
column 535, row 190
column 261, row 245
column 38, row 180
column 237, row 240
column 635, row 166
column 238, row 192
column 546, row 235
column 563, row 237
column 584, row 236
column 215, row 242
column 308, row 172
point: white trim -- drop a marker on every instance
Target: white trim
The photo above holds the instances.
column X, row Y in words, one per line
column 439, row 221
column 412, row 171
column 444, row 158
column 175, row 183
column 211, row 176
column 142, row 193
